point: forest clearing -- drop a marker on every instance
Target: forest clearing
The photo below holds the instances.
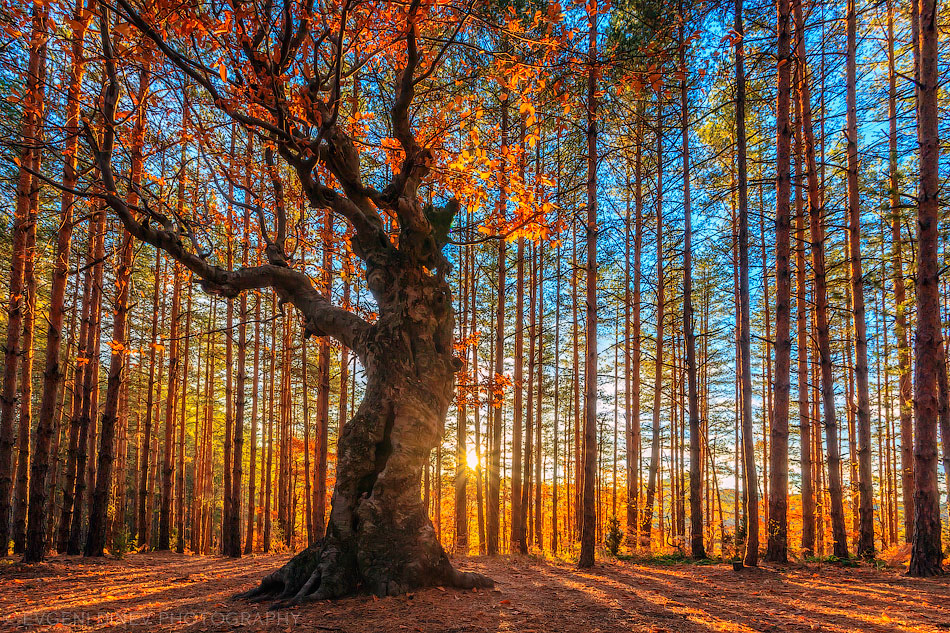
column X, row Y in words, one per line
column 172, row 592
column 456, row 315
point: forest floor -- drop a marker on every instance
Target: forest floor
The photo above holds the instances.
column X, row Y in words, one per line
column 171, row 592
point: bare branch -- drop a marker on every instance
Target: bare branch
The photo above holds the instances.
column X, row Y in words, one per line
column 292, row 286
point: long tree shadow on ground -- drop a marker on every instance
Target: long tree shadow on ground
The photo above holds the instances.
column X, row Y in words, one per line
column 170, row 592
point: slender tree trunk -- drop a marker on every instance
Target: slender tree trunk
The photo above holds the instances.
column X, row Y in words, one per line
column 572, row 466
column 143, row 520
column 590, row 359
column 323, row 394
column 646, row 522
column 118, row 360
column 777, row 548
column 590, row 362
column 461, row 402
column 117, row 532
column 539, row 364
column 633, row 454
column 228, row 546
column 817, row 235
column 268, row 470
column 56, row 466
column 255, row 388
column 53, row 374
column 285, row 488
column 479, row 493
column 232, row 528
column 697, row 546
column 180, row 470
column 496, row 398
column 818, row 475
column 205, row 456
column 308, row 473
column 944, row 415
column 527, row 481
column 154, row 474
column 21, row 491
column 865, row 546
column 881, row 347
column 738, row 468
column 849, row 394
column 751, row 500
column 96, row 538
column 202, row 385
column 767, row 395
column 801, row 315
column 555, row 524
column 577, row 470
column 905, row 381
column 90, row 385
column 75, row 424
column 168, row 456
column 23, row 223
column 520, row 422
column 517, row 415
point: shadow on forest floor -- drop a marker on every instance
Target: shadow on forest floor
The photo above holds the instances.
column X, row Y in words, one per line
column 171, row 592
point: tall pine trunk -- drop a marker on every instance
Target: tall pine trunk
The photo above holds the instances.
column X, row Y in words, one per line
column 750, row 489
column 646, row 520
column 53, row 373
column 905, row 380
column 777, row 546
column 817, row 239
column 96, row 537
column 120, row 350
column 926, row 552
column 33, row 108
column 634, row 477
column 496, row 398
column 89, row 389
column 588, row 525
column 518, row 542
column 168, row 445
column 25, row 424
column 145, row 450
column 865, row 545
column 801, row 316
column 255, row 390
column 697, row 546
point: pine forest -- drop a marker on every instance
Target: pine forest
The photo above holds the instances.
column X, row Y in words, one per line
column 617, row 316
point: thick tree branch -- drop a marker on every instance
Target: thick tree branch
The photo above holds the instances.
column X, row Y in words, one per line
column 292, row 286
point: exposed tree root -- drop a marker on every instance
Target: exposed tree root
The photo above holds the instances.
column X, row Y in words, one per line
column 324, row 571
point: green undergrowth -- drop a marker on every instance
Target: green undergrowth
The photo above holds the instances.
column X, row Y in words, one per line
column 851, row 561
column 667, row 558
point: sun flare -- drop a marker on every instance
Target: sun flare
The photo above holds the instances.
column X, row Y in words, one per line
column 471, row 458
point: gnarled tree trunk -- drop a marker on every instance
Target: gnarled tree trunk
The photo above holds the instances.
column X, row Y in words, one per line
column 379, row 538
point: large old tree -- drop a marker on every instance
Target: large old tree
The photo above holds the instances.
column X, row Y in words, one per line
column 277, row 71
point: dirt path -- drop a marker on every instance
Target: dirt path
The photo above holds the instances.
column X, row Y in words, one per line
column 170, row 592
